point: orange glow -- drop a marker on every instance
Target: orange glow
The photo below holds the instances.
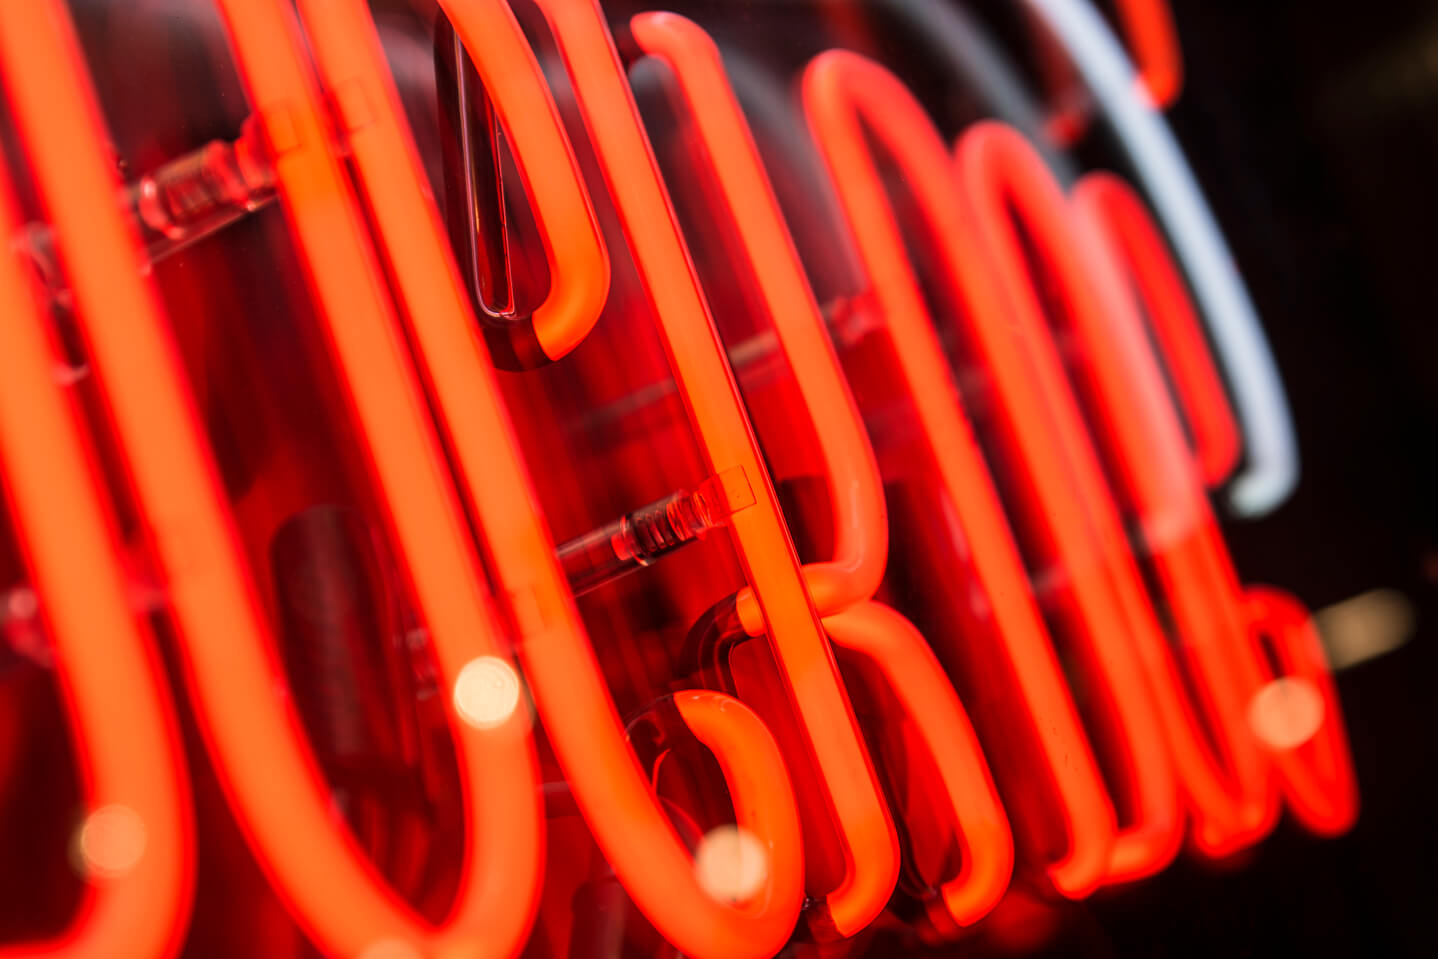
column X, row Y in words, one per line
column 580, row 718
column 861, row 533
column 711, row 399
column 839, row 90
column 1117, row 212
column 136, row 843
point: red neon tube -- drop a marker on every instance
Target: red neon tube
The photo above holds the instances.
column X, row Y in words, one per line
column 608, row 783
column 861, row 533
column 998, row 173
column 1319, row 783
column 499, row 890
column 840, row 587
column 897, row 649
column 1116, row 210
column 272, row 781
column 137, row 895
column 711, row 398
column 1316, row 774
column 1153, row 41
column 839, row 89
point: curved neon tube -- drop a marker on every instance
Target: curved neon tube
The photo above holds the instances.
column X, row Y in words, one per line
column 1318, row 778
column 609, row 786
column 839, row 89
column 861, row 532
column 272, row 781
column 1271, row 469
column 1117, row 211
column 578, row 260
column 1215, row 613
column 912, row 672
column 122, row 720
column 840, row 588
column 999, row 172
column 1057, row 473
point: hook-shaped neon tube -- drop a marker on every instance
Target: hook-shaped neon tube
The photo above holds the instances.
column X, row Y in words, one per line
column 137, row 897
column 899, row 651
column 578, row 260
column 861, row 533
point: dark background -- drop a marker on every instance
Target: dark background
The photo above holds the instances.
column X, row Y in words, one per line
column 1312, row 126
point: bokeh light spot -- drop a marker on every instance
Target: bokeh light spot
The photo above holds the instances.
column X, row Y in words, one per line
column 1286, row 712
column 110, row 842
column 731, row 864
column 487, row 692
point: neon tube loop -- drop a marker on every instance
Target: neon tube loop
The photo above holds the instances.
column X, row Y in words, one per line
column 1213, row 612
column 609, row 787
column 277, row 792
column 1319, row 783
column 840, row 90
column 578, row 260
column 841, row 587
column 1097, row 621
column 137, row 895
column 1065, row 480
column 998, row 171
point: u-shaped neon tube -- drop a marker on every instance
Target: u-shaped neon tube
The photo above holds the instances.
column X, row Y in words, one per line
column 1213, row 610
column 608, row 784
column 840, row 89
column 1100, row 622
column 272, row 781
column 132, row 766
column 998, row 172
column 578, row 261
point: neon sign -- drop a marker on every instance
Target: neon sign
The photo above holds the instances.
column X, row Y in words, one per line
column 1068, row 303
